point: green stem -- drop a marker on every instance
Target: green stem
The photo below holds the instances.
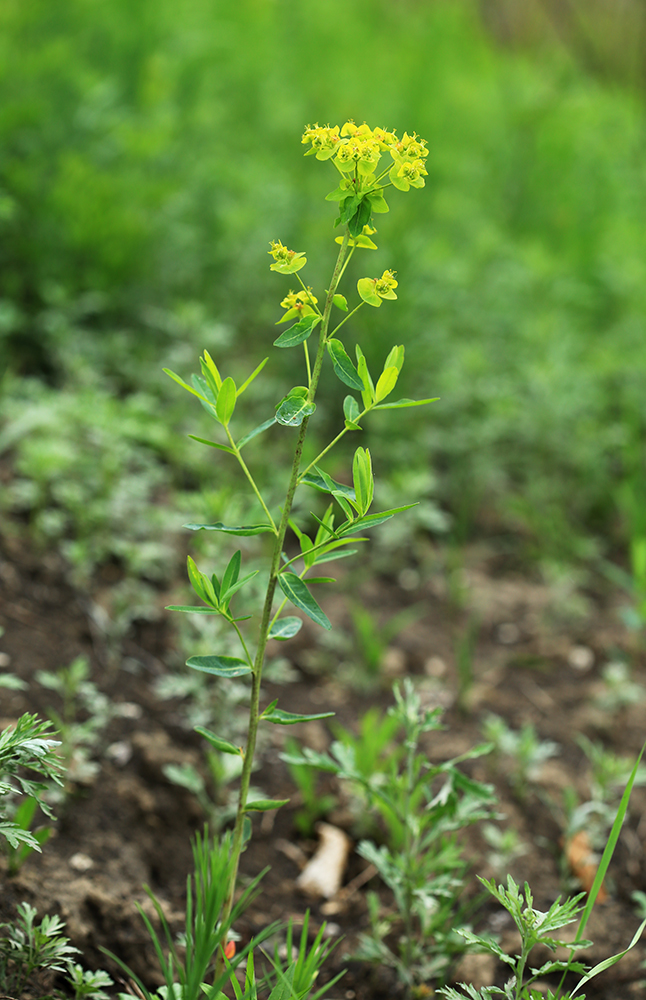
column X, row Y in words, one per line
column 331, row 445
column 244, row 468
column 254, row 707
column 346, row 318
column 307, row 364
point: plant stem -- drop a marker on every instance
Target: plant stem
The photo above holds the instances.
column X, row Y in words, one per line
column 252, row 482
column 331, row 444
column 254, row 707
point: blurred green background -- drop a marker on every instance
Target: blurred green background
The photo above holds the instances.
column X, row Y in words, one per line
column 150, row 150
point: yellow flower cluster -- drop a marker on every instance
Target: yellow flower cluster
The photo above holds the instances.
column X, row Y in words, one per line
column 298, row 304
column 358, row 149
column 285, row 261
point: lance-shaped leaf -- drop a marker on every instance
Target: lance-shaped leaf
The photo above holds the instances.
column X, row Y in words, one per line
column 368, row 393
column 248, row 381
column 192, row 609
column 213, row 368
column 280, row 718
column 296, row 591
column 386, row 383
column 400, row 404
column 363, row 479
column 295, row 407
column 212, row 444
column 265, row 805
column 220, row 666
column 216, row 741
column 326, row 484
column 298, row 332
column 343, row 367
column 371, row 520
column 200, row 583
column 226, row 596
column 228, row 529
column 226, row 401
column 232, row 572
column 285, row 628
column 254, row 433
column 395, row 358
column 184, row 385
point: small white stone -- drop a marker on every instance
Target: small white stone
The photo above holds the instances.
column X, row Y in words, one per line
column 435, row 667
column 81, row 862
column 409, row 579
column 120, row 752
column 5, row 659
column 580, row 657
column 128, row 710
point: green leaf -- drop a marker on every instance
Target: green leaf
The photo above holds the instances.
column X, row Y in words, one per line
column 232, row 572
column 255, row 372
column 609, row 962
column 360, row 218
column 220, row 666
column 285, row 628
column 401, row 403
column 368, row 393
column 340, row 302
column 297, row 333
column 296, row 591
column 326, row 484
column 343, row 367
column 226, row 402
column 192, row 609
column 243, row 529
column 371, row 520
column 197, row 580
column 212, row 444
column 228, row 594
column 386, row 383
column 183, row 384
column 218, row 742
column 295, row 407
column 378, row 202
column 280, row 718
column 351, row 409
column 264, row 805
column 328, row 556
column 213, row 368
column 257, row 430
column 363, row 479
column 395, row 358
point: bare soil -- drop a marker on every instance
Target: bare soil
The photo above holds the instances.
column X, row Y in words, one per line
column 538, row 655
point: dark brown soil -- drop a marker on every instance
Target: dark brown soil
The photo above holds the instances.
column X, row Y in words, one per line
column 538, row 657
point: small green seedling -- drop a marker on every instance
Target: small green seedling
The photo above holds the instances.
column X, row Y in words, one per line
column 27, row 947
column 519, row 753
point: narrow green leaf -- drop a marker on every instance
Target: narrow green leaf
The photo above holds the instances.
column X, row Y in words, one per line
column 254, row 433
column 344, row 505
column 228, row 594
column 218, row 742
column 368, row 393
column 211, row 365
column 363, row 479
column 343, row 367
column 255, row 372
column 212, row 444
column 192, row 609
column 183, row 384
column 243, row 529
column 220, row 666
column 326, row 484
column 264, row 805
column 331, row 556
column 232, row 572
column 296, row 591
column 371, row 520
column 395, row 358
column 226, row 402
column 298, row 332
column 386, row 383
column 196, row 580
column 280, row 718
column 400, row 404
column 285, row 628
column 609, row 962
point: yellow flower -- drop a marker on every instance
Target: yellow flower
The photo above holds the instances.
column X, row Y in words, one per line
column 386, row 285
column 285, row 261
column 324, row 140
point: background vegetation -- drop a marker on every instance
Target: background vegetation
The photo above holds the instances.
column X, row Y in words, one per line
column 149, row 152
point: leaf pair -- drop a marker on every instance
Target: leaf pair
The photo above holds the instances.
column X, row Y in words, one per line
column 215, row 594
column 218, row 396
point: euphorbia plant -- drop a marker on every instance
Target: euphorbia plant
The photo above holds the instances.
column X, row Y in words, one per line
column 368, row 162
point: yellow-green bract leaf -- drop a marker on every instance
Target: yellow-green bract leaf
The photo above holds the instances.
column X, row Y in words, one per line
column 226, row 402
column 343, row 367
column 218, row 742
column 295, row 590
column 386, row 383
column 180, row 381
column 264, row 805
column 220, row 666
column 366, row 289
column 211, row 365
column 396, row 358
column 378, row 202
column 363, row 479
column 340, row 302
